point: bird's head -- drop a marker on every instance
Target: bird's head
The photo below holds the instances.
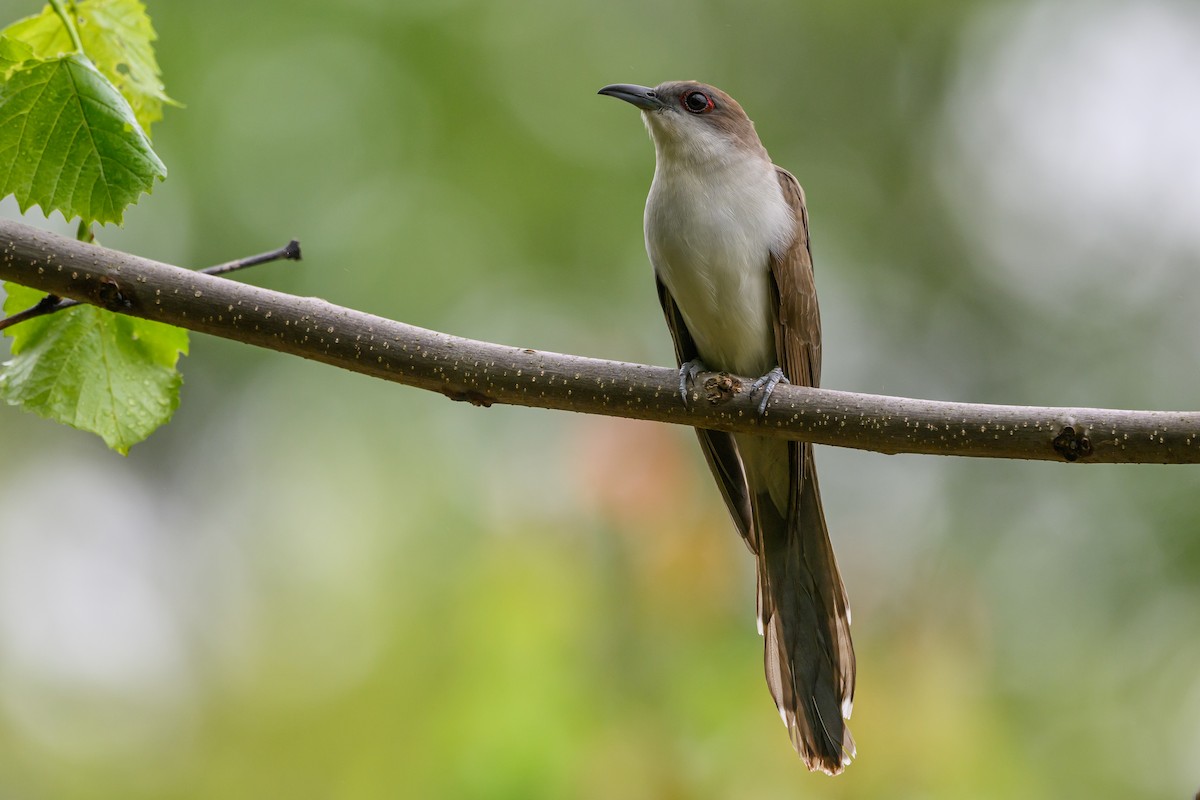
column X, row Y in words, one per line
column 691, row 122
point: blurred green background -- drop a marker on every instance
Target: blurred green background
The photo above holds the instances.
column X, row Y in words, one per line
column 316, row 585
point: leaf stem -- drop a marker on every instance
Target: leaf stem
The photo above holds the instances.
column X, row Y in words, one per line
column 69, row 24
column 47, row 305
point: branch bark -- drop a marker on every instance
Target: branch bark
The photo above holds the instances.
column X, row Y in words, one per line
column 483, row 373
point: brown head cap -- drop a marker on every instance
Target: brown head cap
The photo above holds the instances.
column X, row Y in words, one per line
column 683, row 115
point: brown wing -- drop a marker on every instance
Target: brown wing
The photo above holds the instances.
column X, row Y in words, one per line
column 719, row 449
column 798, row 334
column 809, row 655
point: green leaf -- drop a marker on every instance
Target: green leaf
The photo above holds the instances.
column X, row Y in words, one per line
column 12, row 54
column 69, row 142
column 117, row 36
column 91, row 369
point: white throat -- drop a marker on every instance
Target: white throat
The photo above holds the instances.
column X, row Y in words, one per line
column 714, row 216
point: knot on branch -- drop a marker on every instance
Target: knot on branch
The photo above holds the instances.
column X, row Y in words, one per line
column 474, row 398
column 1072, row 445
column 721, row 388
column 110, row 296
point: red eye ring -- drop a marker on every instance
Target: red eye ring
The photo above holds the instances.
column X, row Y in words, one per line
column 697, row 102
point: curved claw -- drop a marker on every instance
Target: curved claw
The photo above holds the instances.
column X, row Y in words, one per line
column 768, row 383
column 688, row 371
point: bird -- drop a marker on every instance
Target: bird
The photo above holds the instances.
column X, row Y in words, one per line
column 727, row 234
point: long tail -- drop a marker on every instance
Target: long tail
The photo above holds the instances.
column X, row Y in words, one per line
column 805, row 621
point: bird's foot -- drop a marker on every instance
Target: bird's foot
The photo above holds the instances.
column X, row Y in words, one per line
column 767, row 384
column 688, row 371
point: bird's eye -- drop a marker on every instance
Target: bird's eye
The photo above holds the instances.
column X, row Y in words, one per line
column 697, row 102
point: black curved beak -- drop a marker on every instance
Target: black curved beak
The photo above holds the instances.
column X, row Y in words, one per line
column 641, row 96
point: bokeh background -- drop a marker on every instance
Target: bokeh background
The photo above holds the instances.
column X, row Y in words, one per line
column 316, row 585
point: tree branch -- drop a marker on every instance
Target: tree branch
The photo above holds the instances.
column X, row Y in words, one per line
column 483, row 373
column 51, row 303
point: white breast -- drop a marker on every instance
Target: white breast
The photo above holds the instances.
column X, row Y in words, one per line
column 710, row 233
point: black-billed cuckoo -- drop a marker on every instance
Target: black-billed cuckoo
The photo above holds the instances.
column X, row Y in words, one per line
column 727, row 234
